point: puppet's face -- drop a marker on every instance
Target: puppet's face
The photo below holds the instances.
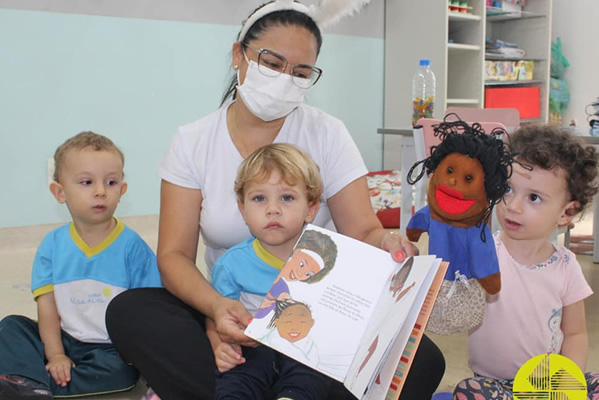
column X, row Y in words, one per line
column 456, row 192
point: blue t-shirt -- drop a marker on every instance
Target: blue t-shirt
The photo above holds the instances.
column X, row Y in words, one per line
column 85, row 279
column 461, row 247
column 246, row 272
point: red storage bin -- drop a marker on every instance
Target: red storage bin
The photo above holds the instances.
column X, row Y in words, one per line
column 526, row 99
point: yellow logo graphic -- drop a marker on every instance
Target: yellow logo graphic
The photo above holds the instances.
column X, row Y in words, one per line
column 551, row 377
column 107, row 291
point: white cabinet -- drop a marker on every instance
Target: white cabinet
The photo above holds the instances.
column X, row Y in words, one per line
column 455, row 44
column 531, row 30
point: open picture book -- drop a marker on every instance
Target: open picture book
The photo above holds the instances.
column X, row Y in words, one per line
column 346, row 309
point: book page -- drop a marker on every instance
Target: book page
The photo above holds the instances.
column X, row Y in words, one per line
column 399, row 306
column 395, row 366
column 320, row 322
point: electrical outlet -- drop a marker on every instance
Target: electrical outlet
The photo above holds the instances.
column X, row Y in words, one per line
column 50, row 170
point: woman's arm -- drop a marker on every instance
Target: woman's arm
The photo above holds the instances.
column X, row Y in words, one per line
column 178, row 236
column 58, row 365
column 576, row 342
column 353, row 216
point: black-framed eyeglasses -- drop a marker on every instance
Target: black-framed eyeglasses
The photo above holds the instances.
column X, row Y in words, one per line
column 273, row 64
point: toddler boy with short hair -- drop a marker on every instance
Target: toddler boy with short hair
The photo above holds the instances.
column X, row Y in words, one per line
column 78, row 269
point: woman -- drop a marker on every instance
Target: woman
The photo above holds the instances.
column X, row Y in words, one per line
column 162, row 332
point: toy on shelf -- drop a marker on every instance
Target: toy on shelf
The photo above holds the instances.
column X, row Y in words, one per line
column 470, row 169
column 458, row 6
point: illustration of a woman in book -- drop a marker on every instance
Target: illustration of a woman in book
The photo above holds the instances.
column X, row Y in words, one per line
column 398, row 280
column 289, row 330
column 312, row 259
column 397, row 290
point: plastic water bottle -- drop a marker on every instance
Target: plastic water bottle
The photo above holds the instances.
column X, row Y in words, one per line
column 423, row 92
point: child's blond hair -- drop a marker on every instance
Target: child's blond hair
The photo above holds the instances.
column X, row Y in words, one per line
column 83, row 141
column 294, row 165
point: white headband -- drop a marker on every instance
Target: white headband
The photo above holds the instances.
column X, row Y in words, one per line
column 315, row 256
column 326, row 13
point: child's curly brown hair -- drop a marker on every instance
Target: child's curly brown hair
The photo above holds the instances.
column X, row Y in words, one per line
column 550, row 147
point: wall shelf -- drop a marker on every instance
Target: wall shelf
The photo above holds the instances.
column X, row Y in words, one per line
column 463, row 101
column 463, row 47
column 498, row 57
column 457, row 16
column 498, row 14
column 454, row 43
column 514, row 83
column 531, row 30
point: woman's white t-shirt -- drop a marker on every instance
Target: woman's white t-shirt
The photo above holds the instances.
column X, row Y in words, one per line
column 202, row 156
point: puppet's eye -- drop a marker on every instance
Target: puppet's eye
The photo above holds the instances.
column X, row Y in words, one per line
column 468, row 178
column 450, row 170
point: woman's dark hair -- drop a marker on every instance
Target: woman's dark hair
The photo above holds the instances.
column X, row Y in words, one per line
column 321, row 244
column 275, row 18
column 550, row 147
column 494, row 155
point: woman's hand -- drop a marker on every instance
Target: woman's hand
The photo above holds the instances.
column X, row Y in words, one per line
column 231, row 319
column 353, row 216
column 398, row 246
column 59, row 367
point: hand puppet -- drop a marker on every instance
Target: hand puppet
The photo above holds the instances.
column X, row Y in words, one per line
column 468, row 174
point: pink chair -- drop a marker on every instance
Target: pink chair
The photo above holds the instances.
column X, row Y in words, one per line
column 510, row 117
column 424, row 139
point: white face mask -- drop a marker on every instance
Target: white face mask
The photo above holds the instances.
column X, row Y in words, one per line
column 269, row 98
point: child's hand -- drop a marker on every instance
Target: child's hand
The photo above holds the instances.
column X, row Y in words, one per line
column 59, row 367
column 228, row 356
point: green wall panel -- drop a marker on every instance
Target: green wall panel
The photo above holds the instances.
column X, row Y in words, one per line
column 136, row 81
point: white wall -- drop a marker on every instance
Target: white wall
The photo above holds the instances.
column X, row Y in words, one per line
column 577, row 23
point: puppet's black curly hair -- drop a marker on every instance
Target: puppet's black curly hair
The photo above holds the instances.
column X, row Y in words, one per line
column 495, row 156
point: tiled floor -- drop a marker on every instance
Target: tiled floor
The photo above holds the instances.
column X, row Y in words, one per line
column 17, row 248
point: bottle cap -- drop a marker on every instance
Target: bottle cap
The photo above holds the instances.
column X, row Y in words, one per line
column 424, row 63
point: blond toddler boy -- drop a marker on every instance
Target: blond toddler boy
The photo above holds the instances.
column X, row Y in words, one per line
column 78, row 269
